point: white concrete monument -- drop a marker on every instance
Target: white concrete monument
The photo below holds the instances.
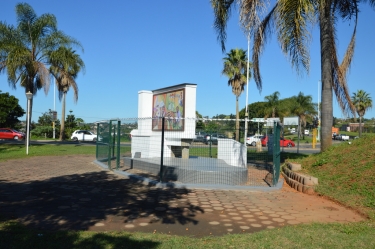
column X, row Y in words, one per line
column 177, row 104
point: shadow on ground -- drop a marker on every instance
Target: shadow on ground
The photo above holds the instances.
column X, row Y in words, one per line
column 81, row 201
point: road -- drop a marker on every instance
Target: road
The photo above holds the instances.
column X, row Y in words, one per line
column 303, row 147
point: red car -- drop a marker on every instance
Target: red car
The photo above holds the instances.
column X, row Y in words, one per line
column 7, row 133
column 283, row 142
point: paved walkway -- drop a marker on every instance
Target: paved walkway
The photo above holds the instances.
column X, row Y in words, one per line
column 71, row 192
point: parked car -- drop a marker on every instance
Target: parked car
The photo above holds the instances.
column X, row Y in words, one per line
column 341, row 137
column 252, row 140
column 83, row 135
column 307, row 132
column 283, row 142
column 8, row 133
column 199, row 136
column 212, row 138
column 334, row 134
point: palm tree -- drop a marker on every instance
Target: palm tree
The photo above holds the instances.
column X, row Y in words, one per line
column 362, row 102
column 65, row 66
column 272, row 103
column 235, row 68
column 291, row 20
column 24, row 49
column 304, row 108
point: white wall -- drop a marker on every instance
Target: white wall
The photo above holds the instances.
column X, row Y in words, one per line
column 148, row 142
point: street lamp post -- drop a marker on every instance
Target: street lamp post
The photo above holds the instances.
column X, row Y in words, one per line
column 29, row 95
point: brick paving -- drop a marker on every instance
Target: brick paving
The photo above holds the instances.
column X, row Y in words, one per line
column 72, row 192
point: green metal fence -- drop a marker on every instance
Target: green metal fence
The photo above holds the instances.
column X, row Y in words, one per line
column 108, row 143
column 262, row 164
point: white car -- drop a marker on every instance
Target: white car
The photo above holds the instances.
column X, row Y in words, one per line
column 83, row 135
column 252, row 140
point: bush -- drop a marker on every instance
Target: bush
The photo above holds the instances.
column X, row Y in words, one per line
column 44, row 131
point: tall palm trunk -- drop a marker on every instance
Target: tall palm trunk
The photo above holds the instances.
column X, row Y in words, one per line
column 237, row 121
column 360, row 126
column 326, row 69
column 62, row 127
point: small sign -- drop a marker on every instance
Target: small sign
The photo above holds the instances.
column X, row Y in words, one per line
column 290, row 121
column 54, row 115
column 270, row 122
column 259, row 120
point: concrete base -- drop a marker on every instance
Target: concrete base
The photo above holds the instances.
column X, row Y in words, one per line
column 197, row 170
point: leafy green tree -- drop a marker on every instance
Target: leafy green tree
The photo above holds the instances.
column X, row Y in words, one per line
column 212, row 126
column 255, row 110
column 305, row 109
column 235, row 68
column 25, row 49
column 10, row 111
column 362, row 102
column 291, row 21
column 199, row 125
column 44, row 127
column 45, row 119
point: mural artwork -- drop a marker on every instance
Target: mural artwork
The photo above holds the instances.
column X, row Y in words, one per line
column 171, row 106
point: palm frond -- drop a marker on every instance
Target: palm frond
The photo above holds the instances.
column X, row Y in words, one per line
column 250, row 13
column 260, row 38
column 43, row 75
column 339, row 72
column 293, row 19
column 362, row 102
column 65, row 66
column 222, row 10
column 235, row 67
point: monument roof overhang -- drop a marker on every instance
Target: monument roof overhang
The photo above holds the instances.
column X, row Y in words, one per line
column 171, row 88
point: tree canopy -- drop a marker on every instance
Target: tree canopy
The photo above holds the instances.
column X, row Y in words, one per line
column 10, row 111
column 292, row 22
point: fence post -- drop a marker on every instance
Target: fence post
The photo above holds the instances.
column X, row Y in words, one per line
column 276, row 153
column 109, row 144
column 113, row 141
column 97, row 144
column 118, row 144
column 162, row 150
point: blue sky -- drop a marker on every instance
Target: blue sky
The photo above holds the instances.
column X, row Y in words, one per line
column 146, row 45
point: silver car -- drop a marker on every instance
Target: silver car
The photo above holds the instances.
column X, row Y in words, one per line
column 252, row 140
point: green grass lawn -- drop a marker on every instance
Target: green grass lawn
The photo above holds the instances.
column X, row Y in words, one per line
column 346, row 174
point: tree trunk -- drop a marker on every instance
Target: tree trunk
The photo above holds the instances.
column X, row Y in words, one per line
column 62, row 125
column 326, row 69
column 237, row 121
column 360, row 126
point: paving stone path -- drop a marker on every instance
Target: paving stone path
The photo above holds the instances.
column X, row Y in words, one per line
column 71, row 192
